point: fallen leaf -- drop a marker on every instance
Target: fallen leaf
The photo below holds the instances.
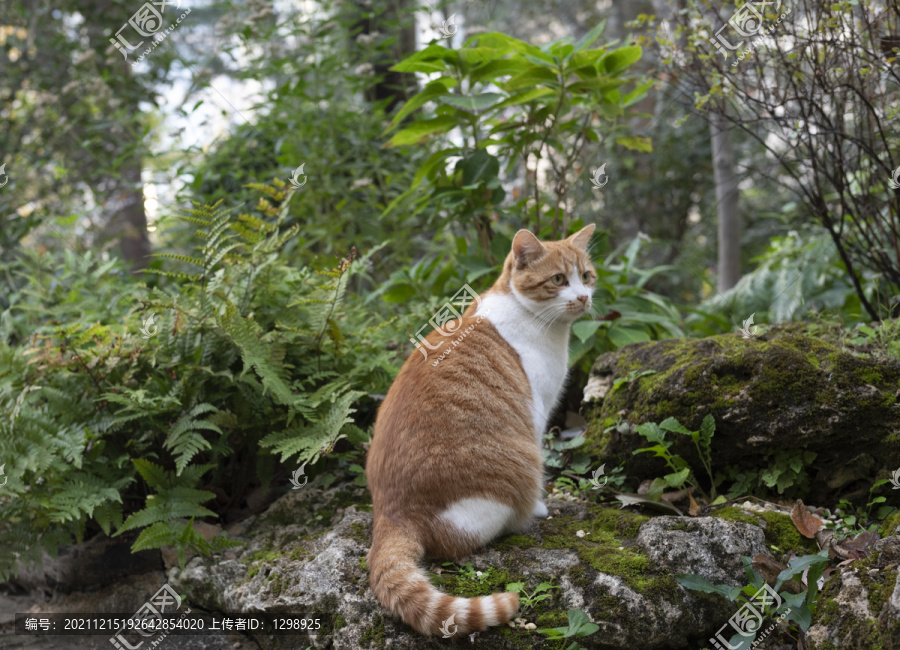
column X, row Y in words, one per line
column 672, row 497
column 807, row 523
column 825, row 538
column 693, row 509
column 637, row 500
column 768, row 567
column 857, row 548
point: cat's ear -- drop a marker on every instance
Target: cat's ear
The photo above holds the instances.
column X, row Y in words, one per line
column 526, row 248
column 582, row 237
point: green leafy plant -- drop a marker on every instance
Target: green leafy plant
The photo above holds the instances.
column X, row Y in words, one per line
column 805, row 571
column 681, row 472
column 631, row 376
column 521, row 100
column 529, row 600
column 467, row 571
column 579, row 626
column 884, row 339
column 783, row 470
column 853, row 519
column 114, row 431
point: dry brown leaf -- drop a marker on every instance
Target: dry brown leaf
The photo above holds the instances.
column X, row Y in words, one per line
column 693, row 508
column 672, row 497
column 824, row 538
column 857, row 548
column 768, row 567
column 807, row 523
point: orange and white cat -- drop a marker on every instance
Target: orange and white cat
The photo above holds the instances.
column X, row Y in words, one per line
column 455, row 459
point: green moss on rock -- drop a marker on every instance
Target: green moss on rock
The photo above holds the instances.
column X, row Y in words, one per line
column 779, row 531
column 785, row 385
column 890, row 524
column 374, row 634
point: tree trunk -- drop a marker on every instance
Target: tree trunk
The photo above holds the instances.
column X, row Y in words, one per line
column 129, row 218
column 727, row 203
column 395, row 87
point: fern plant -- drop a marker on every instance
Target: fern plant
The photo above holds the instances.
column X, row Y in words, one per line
column 224, row 362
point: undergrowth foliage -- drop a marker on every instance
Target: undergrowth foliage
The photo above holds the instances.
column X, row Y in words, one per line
column 125, row 425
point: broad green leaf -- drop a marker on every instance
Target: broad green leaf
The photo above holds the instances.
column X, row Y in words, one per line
column 651, row 431
column 432, row 59
column 708, row 427
column 699, row 583
column 525, row 96
column 619, row 59
column 533, row 76
column 434, row 160
column 432, row 91
column 636, row 143
column 472, row 103
column 656, row 489
column 799, row 564
column 479, row 167
column 677, row 479
column 420, row 131
column 585, row 41
column 399, row 293
column 499, row 68
column 671, row 424
column 585, row 329
column 622, row 336
column 580, row 624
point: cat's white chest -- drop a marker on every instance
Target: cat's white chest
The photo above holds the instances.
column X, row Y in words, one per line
column 544, row 352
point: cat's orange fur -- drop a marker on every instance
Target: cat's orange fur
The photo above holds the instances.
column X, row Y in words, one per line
column 463, row 430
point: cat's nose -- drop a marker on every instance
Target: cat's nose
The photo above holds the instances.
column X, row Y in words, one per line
column 584, row 300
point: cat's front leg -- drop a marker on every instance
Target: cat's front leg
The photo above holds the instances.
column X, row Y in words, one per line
column 540, row 510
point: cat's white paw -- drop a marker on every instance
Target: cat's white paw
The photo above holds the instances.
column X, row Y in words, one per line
column 540, row 510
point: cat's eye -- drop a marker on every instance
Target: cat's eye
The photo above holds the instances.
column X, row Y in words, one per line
column 585, row 277
column 558, row 279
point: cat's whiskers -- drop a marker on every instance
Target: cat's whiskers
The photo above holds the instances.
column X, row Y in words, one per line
column 549, row 316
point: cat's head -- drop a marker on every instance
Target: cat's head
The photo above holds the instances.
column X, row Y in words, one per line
column 554, row 280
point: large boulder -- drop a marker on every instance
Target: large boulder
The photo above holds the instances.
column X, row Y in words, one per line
column 307, row 554
column 782, row 390
column 859, row 607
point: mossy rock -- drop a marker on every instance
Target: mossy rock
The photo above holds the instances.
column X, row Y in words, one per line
column 617, row 566
column 781, row 535
column 781, row 390
column 859, row 606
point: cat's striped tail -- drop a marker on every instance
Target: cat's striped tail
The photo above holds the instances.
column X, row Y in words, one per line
column 403, row 587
